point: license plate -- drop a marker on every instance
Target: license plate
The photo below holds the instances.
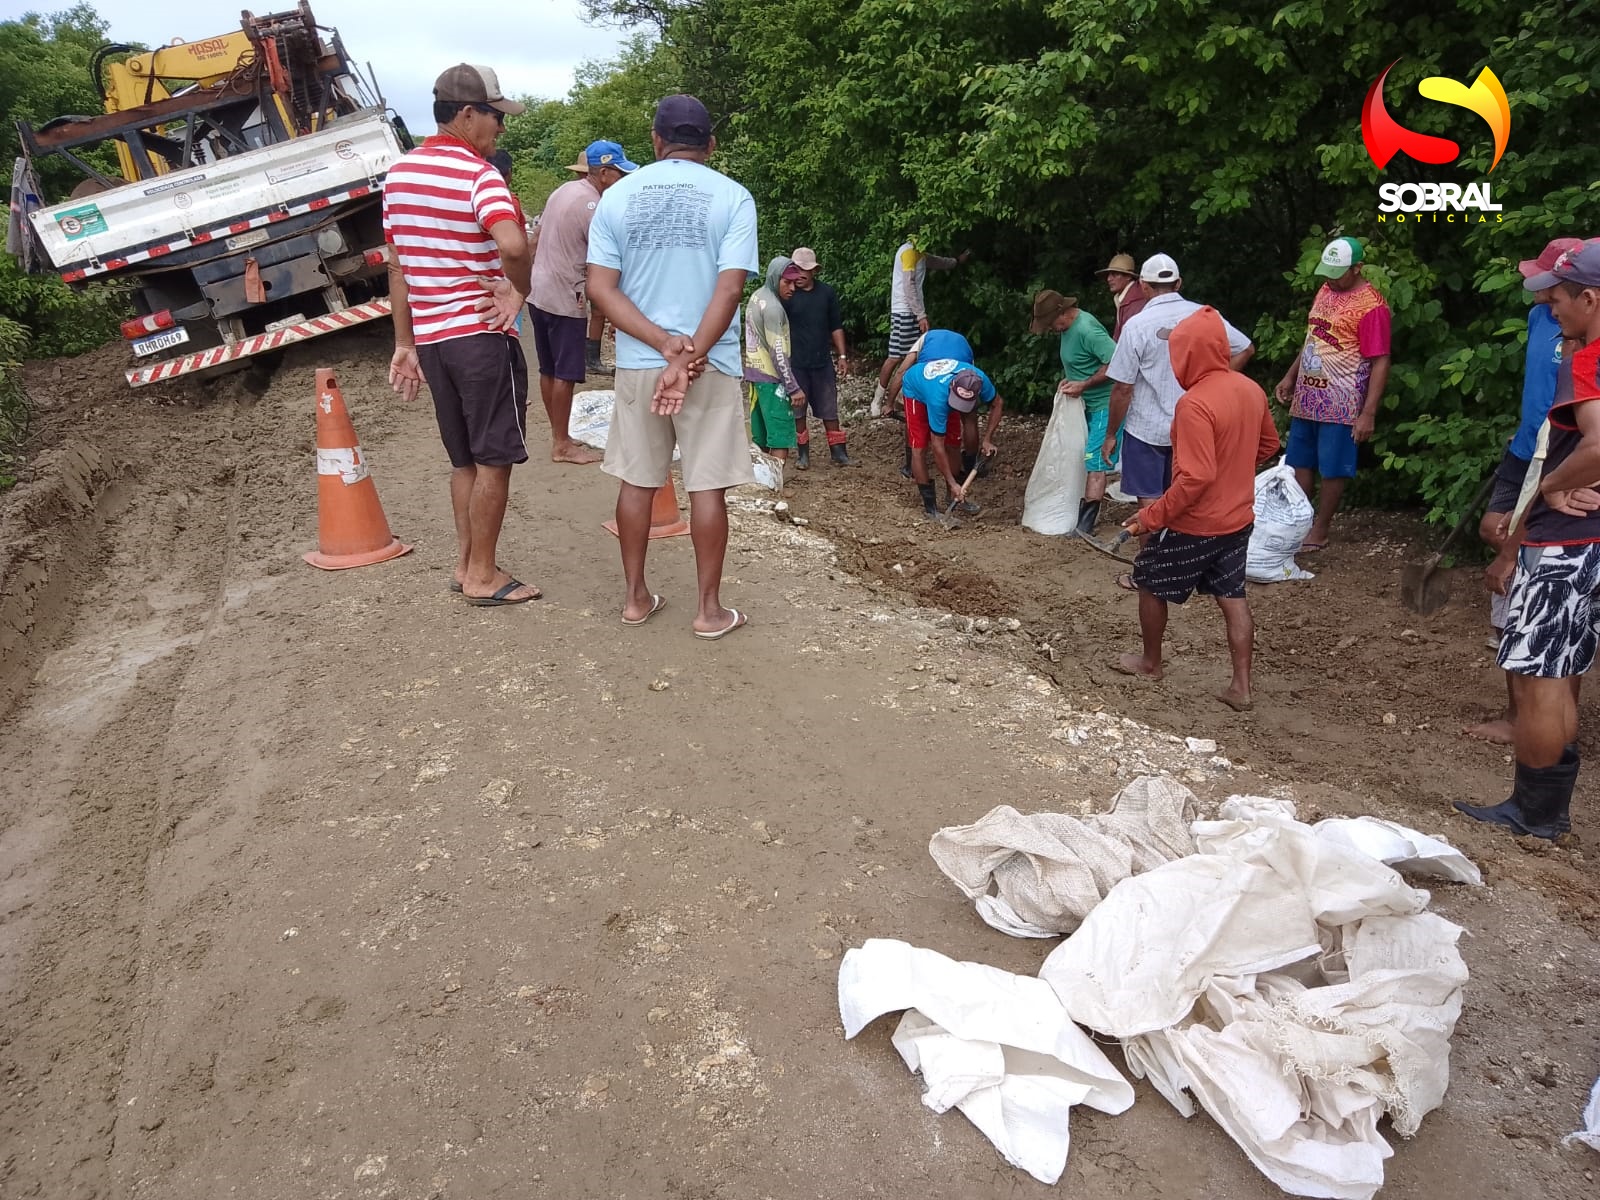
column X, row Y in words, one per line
column 164, row 340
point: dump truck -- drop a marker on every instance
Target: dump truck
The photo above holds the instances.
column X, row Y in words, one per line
column 245, row 212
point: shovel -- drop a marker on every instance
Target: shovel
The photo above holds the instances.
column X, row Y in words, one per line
column 966, row 483
column 1423, row 587
column 1111, row 550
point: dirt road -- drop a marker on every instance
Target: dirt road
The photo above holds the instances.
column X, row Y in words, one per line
column 329, row 885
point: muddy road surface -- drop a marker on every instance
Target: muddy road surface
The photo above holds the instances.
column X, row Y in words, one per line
column 330, row 885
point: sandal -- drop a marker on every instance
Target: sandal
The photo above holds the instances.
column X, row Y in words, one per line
column 657, row 603
column 1125, row 582
column 504, row 594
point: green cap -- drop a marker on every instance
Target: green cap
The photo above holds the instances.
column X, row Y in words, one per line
column 1338, row 256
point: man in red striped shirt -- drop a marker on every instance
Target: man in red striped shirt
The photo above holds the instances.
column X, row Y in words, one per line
column 458, row 275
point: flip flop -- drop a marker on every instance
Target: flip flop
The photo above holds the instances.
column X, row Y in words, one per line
column 501, row 597
column 1312, row 547
column 657, row 603
column 739, row 620
column 1125, row 582
column 455, row 585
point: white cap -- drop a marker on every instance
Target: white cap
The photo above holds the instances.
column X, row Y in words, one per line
column 1159, row 268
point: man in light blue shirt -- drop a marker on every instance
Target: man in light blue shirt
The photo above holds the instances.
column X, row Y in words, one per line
column 670, row 250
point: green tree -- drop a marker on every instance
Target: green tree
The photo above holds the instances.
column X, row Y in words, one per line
column 44, row 74
column 1049, row 134
column 612, row 100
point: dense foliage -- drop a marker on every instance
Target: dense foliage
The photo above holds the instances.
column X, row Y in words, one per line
column 13, row 400
column 1049, row 134
column 44, row 73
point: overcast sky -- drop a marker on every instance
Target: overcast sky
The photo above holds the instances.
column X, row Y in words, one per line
column 533, row 45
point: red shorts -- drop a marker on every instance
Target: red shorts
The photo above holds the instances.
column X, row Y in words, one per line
column 917, row 431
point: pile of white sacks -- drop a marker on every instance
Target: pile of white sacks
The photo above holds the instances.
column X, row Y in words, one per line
column 1282, row 976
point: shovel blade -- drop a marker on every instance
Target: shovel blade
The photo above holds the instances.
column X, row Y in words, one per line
column 1424, row 588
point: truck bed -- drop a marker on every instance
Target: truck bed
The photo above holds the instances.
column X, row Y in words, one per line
column 223, row 201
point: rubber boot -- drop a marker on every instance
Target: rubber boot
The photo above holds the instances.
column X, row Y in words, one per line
column 1540, row 802
column 591, row 358
column 841, row 457
column 905, row 469
column 876, row 408
column 802, row 458
column 1088, row 517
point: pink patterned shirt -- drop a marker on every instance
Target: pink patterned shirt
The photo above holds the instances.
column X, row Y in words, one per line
column 1346, row 331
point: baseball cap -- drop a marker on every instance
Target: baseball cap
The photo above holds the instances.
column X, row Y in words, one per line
column 805, row 258
column 608, row 154
column 1580, row 265
column 1546, row 261
column 468, row 84
column 793, row 271
column 965, row 389
column 1159, row 268
column 1047, row 306
column 1120, row 264
column 1338, row 256
column 683, row 120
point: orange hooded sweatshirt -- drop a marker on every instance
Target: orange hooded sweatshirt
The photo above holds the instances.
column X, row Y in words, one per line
column 1221, row 431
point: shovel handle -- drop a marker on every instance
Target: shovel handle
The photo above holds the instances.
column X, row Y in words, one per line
column 965, row 484
column 1466, row 517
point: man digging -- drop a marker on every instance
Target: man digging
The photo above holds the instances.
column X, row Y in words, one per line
column 1200, row 526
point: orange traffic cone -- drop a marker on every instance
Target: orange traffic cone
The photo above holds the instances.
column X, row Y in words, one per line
column 351, row 528
column 665, row 519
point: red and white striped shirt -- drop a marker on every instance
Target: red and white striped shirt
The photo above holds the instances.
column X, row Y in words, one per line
column 439, row 203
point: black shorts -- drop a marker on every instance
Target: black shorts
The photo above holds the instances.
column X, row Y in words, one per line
column 480, row 396
column 821, row 386
column 1174, row 564
column 1508, row 477
column 559, row 343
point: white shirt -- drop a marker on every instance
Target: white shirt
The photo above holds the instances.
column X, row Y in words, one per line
column 1143, row 359
column 910, row 269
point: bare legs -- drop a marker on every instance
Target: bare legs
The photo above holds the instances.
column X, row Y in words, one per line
column 1328, row 500
column 708, row 529
column 1498, row 731
column 1241, row 644
column 478, row 502
column 557, row 397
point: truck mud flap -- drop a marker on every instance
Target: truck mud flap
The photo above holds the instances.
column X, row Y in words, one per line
column 217, row 356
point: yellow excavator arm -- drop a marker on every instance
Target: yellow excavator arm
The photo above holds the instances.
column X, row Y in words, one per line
column 274, row 55
column 142, row 79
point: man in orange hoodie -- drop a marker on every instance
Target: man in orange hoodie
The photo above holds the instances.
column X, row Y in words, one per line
column 1221, row 432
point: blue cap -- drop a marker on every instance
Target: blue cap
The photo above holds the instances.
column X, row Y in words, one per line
column 608, row 154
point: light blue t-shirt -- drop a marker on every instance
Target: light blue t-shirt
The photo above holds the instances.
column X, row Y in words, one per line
column 929, row 386
column 671, row 227
column 944, row 343
column 1539, row 373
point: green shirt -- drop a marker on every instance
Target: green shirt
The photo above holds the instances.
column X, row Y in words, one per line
column 1085, row 348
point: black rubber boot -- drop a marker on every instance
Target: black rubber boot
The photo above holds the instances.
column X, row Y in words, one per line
column 968, row 461
column 905, row 469
column 841, row 457
column 591, row 358
column 930, row 503
column 1540, row 802
column 1088, row 517
column 802, row 458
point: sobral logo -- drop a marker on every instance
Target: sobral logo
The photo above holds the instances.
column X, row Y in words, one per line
column 1385, row 138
